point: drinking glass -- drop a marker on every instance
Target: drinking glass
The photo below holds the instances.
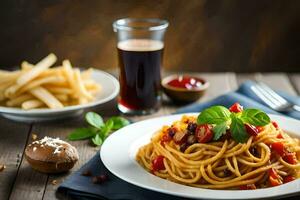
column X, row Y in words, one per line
column 140, row 45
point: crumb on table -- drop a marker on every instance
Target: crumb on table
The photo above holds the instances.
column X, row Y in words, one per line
column 2, row 167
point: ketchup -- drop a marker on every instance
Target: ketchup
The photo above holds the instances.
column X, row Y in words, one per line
column 186, row 82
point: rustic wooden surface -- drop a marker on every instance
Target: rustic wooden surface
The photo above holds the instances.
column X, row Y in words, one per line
column 19, row 181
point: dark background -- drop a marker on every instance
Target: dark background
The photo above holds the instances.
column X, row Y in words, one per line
column 211, row 35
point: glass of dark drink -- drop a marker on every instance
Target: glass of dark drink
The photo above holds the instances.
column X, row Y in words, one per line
column 140, row 51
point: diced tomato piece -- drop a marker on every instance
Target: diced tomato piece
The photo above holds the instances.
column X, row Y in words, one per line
column 251, row 130
column 236, row 108
column 278, row 147
column 166, row 138
column 275, row 124
column 272, row 156
column 288, row 179
column 274, row 182
column 260, row 128
column 273, row 173
column 162, row 143
column 204, row 133
column 290, row 158
column 248, row 187
column 243, row 187
column 158, row 163
column 279, row 136
column 274, row 178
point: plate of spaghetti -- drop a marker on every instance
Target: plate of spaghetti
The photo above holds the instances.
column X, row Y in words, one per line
column 220, row 153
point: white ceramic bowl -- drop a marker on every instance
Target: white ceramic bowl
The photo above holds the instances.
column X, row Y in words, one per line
column 110, row 89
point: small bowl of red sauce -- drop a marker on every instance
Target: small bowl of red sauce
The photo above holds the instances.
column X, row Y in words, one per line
column 184, row 88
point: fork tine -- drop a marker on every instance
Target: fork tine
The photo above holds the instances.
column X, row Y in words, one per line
column 262, row 96
column 268, row 95
column 273, row 93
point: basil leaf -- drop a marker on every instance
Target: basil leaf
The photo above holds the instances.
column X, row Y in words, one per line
column 107, row 128
column 255, row 117
column 219, row 130
column 214, row 115
column 97, row 140
column 94, row 119
column 119, row 122
column 238, row 130
column 81, row 133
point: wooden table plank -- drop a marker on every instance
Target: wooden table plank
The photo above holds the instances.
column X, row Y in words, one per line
column 278, row 81
column 244, row 77
column 295, row 80
column 13, row 138
column 220, row 83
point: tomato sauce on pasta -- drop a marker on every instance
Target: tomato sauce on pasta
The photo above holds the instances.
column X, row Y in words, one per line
column 186, row 153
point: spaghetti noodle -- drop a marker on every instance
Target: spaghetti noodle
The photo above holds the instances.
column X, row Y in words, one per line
column 268, row 159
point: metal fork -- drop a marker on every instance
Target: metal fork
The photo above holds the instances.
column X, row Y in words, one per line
column 272, row 99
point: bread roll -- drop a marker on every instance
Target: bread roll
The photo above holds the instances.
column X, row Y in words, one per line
column 51, row 155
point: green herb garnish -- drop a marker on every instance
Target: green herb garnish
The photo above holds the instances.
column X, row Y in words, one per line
column 98, row 130
column 94, row 119
column 214, row 115
column 219, row 130
column 223, row 119
column 255, row 117
column 238, row 130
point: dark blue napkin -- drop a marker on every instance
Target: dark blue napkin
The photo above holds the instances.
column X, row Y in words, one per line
column 81, row 187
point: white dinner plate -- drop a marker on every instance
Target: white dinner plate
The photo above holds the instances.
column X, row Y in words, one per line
column 110, row 89
column 119, row 150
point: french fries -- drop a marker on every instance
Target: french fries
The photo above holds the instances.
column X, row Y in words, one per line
column 37, row 70
column 31, row 104
column 39, row 86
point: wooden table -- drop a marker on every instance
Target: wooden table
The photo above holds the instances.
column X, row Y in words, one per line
column 19, row 181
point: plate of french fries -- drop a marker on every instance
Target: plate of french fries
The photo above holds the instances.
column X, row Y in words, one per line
column 42, row 91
